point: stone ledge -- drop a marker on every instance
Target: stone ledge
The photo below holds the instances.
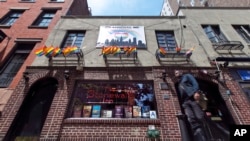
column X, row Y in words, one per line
column 111, row 121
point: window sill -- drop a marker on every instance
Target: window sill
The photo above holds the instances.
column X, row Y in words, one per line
column 4, row 26
column 26, row 1
column 56, row 2
column 41, row 27
column 112, row 121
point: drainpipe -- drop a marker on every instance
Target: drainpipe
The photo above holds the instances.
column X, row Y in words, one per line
column 183, row 127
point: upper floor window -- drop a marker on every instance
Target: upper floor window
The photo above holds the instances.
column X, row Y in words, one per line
column 214, row 33
column 10, row 68
column 243, row 31
column 45, row 18
column 11, row 17
column 74, row 39
column 166, row 39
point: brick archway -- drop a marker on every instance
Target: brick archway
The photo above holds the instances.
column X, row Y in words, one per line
column 31, row 115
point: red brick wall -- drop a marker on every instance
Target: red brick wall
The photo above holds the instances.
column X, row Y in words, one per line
column 57, row 126
column 20, row 28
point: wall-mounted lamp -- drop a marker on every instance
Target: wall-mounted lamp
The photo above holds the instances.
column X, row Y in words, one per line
column 66, row 74
column 25, row 76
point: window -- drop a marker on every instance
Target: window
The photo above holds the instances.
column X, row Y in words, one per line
column 113, row 99
column 214, row 33
column 243, row 31
column 11, row 17
column 74, row 39
column 45, row 18
column 166, row 40
column 9, row 70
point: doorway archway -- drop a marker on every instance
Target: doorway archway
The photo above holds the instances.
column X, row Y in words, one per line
column 218, row 123
column 32, row 114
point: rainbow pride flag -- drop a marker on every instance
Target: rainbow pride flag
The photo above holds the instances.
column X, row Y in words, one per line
column 70, row 50
column 162, row 51
column 56, row 51
column 39, row 52
column 48, row 51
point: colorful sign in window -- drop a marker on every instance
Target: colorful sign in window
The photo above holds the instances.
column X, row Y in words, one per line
column 113, row 99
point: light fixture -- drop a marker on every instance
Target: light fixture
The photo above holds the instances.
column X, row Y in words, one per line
column 66, row 74
column 25, row 76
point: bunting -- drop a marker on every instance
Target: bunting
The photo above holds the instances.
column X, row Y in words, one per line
column 55, row 51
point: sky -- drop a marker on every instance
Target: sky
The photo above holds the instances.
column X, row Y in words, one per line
column 125, row 7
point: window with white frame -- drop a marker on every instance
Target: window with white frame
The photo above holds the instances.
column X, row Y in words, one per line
column 214, row 33
column 45, row 18
column 243, row 31
column 74, row 38
column 166, row 39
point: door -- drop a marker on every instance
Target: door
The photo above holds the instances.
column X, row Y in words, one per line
column 32, row 114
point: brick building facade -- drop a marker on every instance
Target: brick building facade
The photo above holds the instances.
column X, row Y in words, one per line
column 20, row 25
column 64, row 77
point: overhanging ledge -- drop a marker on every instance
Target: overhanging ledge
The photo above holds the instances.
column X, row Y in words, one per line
column 233, row 59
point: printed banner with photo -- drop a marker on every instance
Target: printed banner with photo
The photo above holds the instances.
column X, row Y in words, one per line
column 121, row 36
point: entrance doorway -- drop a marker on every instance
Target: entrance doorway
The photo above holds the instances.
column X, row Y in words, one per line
column 217, row 124
column 31, row 116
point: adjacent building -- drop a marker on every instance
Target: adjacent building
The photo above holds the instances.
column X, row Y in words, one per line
column 95, row 74
column 170, row 7
column 25, row 26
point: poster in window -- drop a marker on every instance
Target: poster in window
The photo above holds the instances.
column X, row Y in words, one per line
column 106, row 113
column 145, row 111
column 153, row 114
column 128, row 110
column 119, row 111
column 96, row 111
column 87, row 110
column 136, row 111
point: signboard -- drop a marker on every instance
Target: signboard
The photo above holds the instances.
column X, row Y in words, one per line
column 121, row 36
column 128, row 92
column 244, row 74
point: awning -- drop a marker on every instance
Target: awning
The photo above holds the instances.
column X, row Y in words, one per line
column 233, row 59
column 228, row 45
